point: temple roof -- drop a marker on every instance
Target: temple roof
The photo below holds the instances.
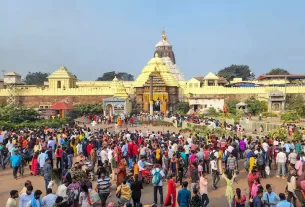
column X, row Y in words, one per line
column 156, row 64
column 62, row 72
column 120, row 91
column 211, row 76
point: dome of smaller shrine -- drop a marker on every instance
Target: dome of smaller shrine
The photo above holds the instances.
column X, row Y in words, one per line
column 156, row 60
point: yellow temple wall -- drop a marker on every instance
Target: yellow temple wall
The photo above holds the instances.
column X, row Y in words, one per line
column 235, row 90
column 38, row 91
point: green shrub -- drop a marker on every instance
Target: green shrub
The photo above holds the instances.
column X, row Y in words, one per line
column 290, row 116
column 269, row 114
column 56, row 123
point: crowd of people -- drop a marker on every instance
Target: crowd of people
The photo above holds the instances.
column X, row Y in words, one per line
column 71, row 158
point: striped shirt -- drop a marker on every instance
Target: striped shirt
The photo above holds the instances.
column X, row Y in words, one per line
column 231, row 163
column 103, row 185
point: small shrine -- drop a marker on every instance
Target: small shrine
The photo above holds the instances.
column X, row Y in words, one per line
column 276, row 102
column 118, row 104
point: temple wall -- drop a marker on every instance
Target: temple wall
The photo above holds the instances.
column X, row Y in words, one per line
column 36, row 101
column 214, row 90
column 35, row 96
column 256, row 90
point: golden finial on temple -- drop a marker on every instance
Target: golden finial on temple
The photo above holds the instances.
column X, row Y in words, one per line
column 164, row 35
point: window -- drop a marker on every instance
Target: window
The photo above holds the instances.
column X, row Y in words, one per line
column 58, row 84
column 190, row 85
column 195, row 85
column 205, row 106
column 41, row 107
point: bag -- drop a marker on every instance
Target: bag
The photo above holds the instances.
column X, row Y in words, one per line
column 224, row 156
column 156, row 178
column 267, row 170
column 211, row 155
column 246, row 164
column 118, row 194
column 260, row 159
column 93, row 197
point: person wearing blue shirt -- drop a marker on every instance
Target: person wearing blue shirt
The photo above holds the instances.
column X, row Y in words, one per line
column 270, row 198
column 287, row 147
column 184, row 196
column 15, row 160
column 284, row 202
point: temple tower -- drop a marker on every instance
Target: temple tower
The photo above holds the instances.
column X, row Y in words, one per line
column 165, row 51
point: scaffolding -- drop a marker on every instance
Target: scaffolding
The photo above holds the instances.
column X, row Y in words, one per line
column 12, row 98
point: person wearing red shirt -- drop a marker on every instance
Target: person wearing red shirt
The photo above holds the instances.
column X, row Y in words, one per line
column 131, row 121
column 135, row 150
column 270, row 154
column 89, row 148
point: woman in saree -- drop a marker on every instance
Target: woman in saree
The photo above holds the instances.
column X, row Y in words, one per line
column 35, row 165
column 121, row 173
column 171, row 192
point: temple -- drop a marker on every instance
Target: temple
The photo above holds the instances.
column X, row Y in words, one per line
column 159, row 87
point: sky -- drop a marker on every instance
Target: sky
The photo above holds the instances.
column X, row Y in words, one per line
column 91, row 37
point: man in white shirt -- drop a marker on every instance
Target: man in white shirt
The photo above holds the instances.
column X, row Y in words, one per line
column 79, row 148
column 215, row 172
column 104, row 155
column 281, row 159
column 26, row 197
column 159, row 186
column 265, row 146
column 110, row 151
column 49, row 199
column 62, row 190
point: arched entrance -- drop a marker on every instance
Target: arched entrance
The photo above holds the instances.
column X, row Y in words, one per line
column 109, row 110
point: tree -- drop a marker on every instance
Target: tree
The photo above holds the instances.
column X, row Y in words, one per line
column 86, row 109
column 236, row 71
column 182, row 107
column 296, row 102
column 36, row 78
column 109, row 76
column 278, row 71
column 255, row 107
column 17, row 114
column 231, row 104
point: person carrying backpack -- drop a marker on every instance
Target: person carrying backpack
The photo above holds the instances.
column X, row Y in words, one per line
column 260, row 162
column 158, row 174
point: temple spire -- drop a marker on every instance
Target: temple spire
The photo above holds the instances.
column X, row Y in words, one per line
column 164, row 36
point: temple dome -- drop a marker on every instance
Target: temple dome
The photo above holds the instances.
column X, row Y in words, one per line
column 62, row 72
column 156, row 60
column 156, row 65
